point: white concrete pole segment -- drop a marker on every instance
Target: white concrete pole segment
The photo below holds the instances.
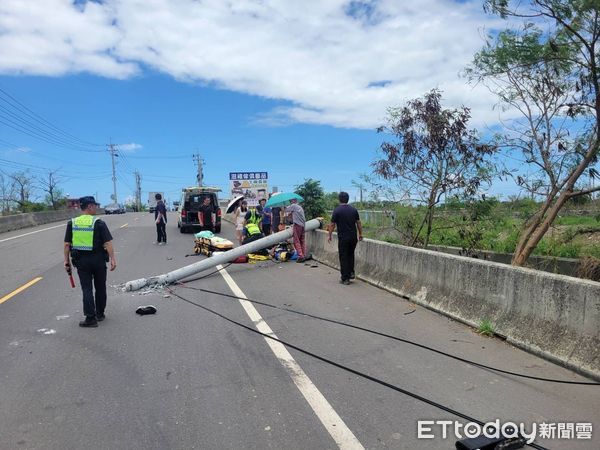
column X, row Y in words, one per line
column 219, row 258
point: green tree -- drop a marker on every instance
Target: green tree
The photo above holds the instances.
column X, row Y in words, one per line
column 434, row 154
column 28, row 206
column 314, row 198
column 331, row 200
column 547, row 69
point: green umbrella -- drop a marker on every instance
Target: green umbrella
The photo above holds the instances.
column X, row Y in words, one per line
column 283, row 199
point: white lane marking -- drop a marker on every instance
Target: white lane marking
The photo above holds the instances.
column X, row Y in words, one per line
column 33, row 232
column 123, row 226
column 46, row 331
column 330, row 419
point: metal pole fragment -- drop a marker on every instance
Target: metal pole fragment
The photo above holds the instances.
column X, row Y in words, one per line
column 217, row 259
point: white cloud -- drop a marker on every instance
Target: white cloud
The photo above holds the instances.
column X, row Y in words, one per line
column 13, row 151
column 130, row 148
column 336, row 62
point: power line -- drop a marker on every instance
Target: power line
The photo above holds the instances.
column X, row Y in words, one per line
column 43, row 138
column 342, row 366
column 20, row 122
column 160, row 157
column 14, row 163
column 42, row 156
column 122, row 181
column 44, row 170
column 125, row 160
column 19, row 117
column 16, row 104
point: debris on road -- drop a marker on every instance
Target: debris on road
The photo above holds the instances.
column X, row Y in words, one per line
column 218, row 259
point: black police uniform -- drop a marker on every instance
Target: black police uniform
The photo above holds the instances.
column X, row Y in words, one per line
column 345, row 218
column 91, row 268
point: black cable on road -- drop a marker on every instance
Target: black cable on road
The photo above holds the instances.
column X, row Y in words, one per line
column 378, row 333
column 346, row 368
column 183, row 283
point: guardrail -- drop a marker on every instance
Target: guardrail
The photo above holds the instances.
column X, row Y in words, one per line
column 18, row 221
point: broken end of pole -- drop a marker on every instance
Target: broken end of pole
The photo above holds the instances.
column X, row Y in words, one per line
column 135, row 285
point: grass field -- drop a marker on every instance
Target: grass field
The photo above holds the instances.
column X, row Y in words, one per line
column 494, row 226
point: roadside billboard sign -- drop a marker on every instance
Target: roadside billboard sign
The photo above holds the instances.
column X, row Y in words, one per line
column 252, row 185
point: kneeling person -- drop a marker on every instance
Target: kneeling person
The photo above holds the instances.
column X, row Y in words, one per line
column 252, row 233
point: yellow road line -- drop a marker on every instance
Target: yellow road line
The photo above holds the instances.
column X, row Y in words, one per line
column 123, row 226
column 21, row 289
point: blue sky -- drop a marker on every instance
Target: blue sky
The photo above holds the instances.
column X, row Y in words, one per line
column 169, row 121
column 293, row 89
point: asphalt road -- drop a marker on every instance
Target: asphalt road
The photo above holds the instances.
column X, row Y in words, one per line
column 186, row 378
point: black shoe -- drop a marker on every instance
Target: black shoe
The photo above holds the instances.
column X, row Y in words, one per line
column 352, row 276
column 143, row 310
column 346, row 282
column 300, row 260
column 89, row 322
column 100, row 317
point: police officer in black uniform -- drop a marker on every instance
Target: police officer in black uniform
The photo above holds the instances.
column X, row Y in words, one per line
column 88, row 244
column 347, row 220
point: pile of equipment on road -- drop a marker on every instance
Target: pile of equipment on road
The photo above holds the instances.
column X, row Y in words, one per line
column 207, row 243
column 218, row 258
column 284, row 251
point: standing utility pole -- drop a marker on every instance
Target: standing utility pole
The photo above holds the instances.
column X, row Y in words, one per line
column 360, row 187
column 113, row 153
column 200, row 162
column 138, row 191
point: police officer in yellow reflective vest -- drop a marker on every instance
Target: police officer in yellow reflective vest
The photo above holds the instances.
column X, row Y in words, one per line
column 252, row 216
column 252, row 233
column 88, row 244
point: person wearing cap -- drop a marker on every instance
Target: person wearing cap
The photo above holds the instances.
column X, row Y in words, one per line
column 88, row 246
column 296, row 213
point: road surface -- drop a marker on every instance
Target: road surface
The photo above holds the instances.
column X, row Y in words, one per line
column 186, row 378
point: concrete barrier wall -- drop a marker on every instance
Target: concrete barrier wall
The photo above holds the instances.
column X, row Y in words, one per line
column 554, row 316
column 18, row 221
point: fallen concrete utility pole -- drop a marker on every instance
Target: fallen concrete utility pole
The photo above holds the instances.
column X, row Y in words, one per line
column 220, row 258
